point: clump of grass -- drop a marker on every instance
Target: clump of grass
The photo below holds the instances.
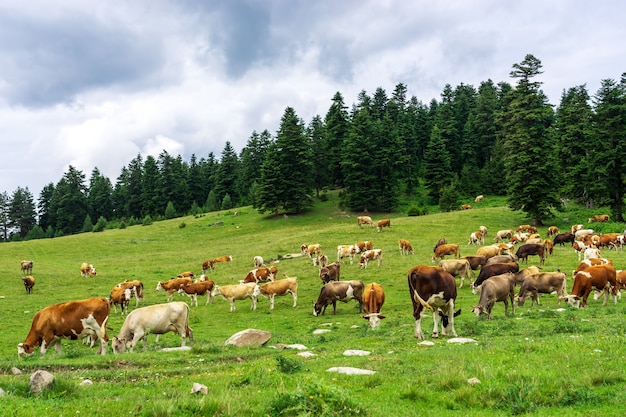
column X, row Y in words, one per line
column 315, row 400
column 288, row 365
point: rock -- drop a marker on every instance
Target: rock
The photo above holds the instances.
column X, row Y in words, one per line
column 461, row 340
column 40, row 380
column 176, row 349
column 473, row 381
column 86, row 382
column 16, row 371
column 350, row 371
column 199, row 388
column 294, row 346
column 249, row 337
column 306, row 354
column 354, row 352
column 321, row 331
column 427, row 343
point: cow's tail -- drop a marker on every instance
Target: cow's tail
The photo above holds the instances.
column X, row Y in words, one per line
column 103, row 329
column 423, row 302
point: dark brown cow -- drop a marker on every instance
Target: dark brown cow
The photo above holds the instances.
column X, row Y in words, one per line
column 561, row 238
column 29, row 283
column 524, row 251
column 330, row 272
column 373, row 300
column 70, row 320
column 447, row 249
column 544, row 283
column 476, row 262
column 488, row 271
column 338, row 291
column 435, row 289
column 600, row 277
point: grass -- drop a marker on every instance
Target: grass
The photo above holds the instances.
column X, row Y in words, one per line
column 541, row 361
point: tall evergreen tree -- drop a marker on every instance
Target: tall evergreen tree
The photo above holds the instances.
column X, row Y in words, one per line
column 151, row 182
column 251, row 158
column 69, row 202
column 22, row 214
column 436, row 164
column 196, row 183
column 43, row 207
column 316, row 134
column 227, row 173
column 133, row 186
column 528, row 143
column 99, row 196
column 337, row 127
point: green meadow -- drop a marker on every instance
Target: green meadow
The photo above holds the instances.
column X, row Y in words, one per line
column 547, row 360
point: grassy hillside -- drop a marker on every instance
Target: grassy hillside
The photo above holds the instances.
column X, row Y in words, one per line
column 541, row 361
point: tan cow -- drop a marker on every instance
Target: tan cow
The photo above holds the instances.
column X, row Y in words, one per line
column 553, row 231
column 257, row 261
column 27, row 267
column 231, row 293
column 405, row 247
column 361, row 220
column 87, row 270
column 313, row 250
column 373, row 300
column 363, row 246
column 489, row 251
column 458, row 267
column 447, row 249
column 599, row 218
column 479, row 198
column 281, row 287
column 383, row 223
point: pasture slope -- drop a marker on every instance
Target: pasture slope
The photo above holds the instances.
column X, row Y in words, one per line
column 539, row 362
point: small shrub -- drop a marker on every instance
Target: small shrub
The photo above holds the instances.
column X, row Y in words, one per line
column 147, row 221
column 324, row 197
column 315, row 400
column 122, row 225
column 182, row 225
column 100, row 225
column 288, row 365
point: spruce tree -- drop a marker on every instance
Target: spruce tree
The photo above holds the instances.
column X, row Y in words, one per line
column 436, row 164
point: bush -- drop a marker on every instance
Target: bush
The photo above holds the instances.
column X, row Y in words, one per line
column 100, row 225
column 417, row 211
column 147, row 221
column 182, row 225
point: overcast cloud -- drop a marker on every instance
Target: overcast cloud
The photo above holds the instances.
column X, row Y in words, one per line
column 94, row 84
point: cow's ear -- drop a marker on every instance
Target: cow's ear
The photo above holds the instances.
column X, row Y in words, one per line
column 367, row 317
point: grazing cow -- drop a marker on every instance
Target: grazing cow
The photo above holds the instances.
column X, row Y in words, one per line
column 483, row 230
column 289, row 285
column 231, row 293
column 435, row 289
column 303, row 248
column 553, row 231
column 346, row 251
column 137, row 287
column 257, row 261
column 330, row 272
column 476, row 237
column 599, row 218
column 224, row 258
column 447, row 249
column 443, row 241
column 579, row 247
column 373, row 300
column 208, row 264
column 87, row 270
column 383, row 223
column 524, row 228
column 361, row 220
column 489, row 271
column 322, row 260
column 338, row 291
column 27, row 267
column 186, row 274
column 498, row 259
column 490, row 251
column 503, row 234
column 521, row 275
column 476, row 262
column 580, row 234
column 600, row 277
column 576, row 227
column 457, row 267
column 171, row 286
column 313, row 250
column 610, row 240
column 120, row 296
column 549, row 245
column 497, row 288
column 531, row 249
column 70, row 320
column 29, row 283
column 363, row 246
column 466, row 207
column 155, row 319
column 405, row 247
column 535, row 240
column 592, row 253
column 195, row 289
column 259, row 275
column 561, row 238
column 590, row 262
column 370, row 255
column 479, row 198
column 544, row 283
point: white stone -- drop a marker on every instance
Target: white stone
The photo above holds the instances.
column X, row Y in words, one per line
column 40, row 380
column 294, row 346
column 320, row 331
column 306, row 354
column 249, row 337
column 350, row 371
column 427, row 343
column 16, row 371
column 175, row 349
column 355, row 352
column 473, row 381
column 86, row 382
column 461, row 340
column 199, row 388
column 2, row 392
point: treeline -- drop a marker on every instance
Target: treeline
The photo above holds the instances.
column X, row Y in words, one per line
column 497, row 139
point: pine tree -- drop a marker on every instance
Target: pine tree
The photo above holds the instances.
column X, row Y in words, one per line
column 99, row 196
column 151, row 202
column 43, row 206
column 316, row 134
column 22, row 215
column 337, row 127
column 69, row 202
column 436, row 164
column 227, row 173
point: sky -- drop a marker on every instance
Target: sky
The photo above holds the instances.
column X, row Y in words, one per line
column 93, row 84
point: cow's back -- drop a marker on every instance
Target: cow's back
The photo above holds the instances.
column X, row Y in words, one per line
column 156, row 317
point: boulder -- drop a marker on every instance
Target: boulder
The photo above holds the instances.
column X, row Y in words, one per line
column 40, row 380
column 199, row 389
column 249, row 337
column 350, row 371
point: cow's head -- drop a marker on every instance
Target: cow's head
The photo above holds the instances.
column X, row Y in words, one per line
column 521, row 300
column 317, row 309
column 374, row 319
column 572, row 300
column 118, row 345
column 478, row 310
column 24, row 349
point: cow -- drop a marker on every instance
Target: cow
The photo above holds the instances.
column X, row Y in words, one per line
column 433, row 288
column 483, row 230
column 224, row 258
column 544, row 283
column 476, row 262
column 330, row 272
column 29, row 283
column 576, row 227
column 338, row 291
column 195, row 289
column 155, row 319
column 524, row 251
column 373, row 300
column 208, row 264
column 457, row 267
column 443, row 241
column 313, row 250
column 610, row 240
column 479, row 198
column 447, row 249
column 257, row 261
column 383, row 223
column 27, row 267
column 503, row 234
column 466, row 207
column 549, row 245
column 561, row 238
column 303, row 248
column 580, row 234
column 363, row 246
column 600, row 277
column 70, row 320
column 476, row 237
column 599, row 218
column 87, row 270
column 592, row 253
column 346, row 251
column 579, row 247
column 489, row 271
column 120, row 296
column 186, row 274
column 172, row 285
column 361, row 220
column 370, row 255
column 523, row 228
column 322, row 260
column 553, row 231
column 259, row 275
column 490, row 251
column 497, row 288
column 405, row 247
column 590, row 262
column 231, row 293
column 289, row 285
column 137, row 287
column 498, row 259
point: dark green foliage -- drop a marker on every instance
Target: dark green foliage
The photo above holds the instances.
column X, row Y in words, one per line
column 101, row 224
column 21, row 211
column 87, row 224
column 436, row 164
column 147, row 220
column 449, row 199
column 226, row 202
column 288, row 365
column 68, row 206
column 170, row 211
column 211, row 203
column 337, row 127
column 99, row 196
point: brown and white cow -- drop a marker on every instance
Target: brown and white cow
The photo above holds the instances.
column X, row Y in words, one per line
column 334, row 291
column 120, row 296
column 87, row 270
column 259, row 275
column 447, row 249
column 330, row 272
column 433, row 288
column 172, row 285
column 231, row 293
column 346, row 251
column 601, row 277
column 206, row 265
column 373, row 300
column 466, row 207
column 476, row 237
column 405, row 247
column 363, row 246
column 29, row 283
column 370, row 255
column 503, row 234
column 155, row 319
column 27, row 267
column 224, row 258
column 496, row 288
column 313, row 250
column 544, row 283
column 458, row 267
column 195, row 289
column 321, row 260
column 361, row 220
column 137, row 287
column 69, row 320
column 576, row 227
column 553, row 231
column 383, row 223
column 289, row 285
column 599, row 218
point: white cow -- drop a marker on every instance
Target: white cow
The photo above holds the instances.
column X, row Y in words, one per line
column 231, row 293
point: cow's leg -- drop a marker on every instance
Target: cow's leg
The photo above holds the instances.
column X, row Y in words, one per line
column 418, row 325
column 295, row 299
column 232, row 304
column 208, row 298
column 272, row 302
column 334, row 307
column 435, row 334
column 253, row 307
